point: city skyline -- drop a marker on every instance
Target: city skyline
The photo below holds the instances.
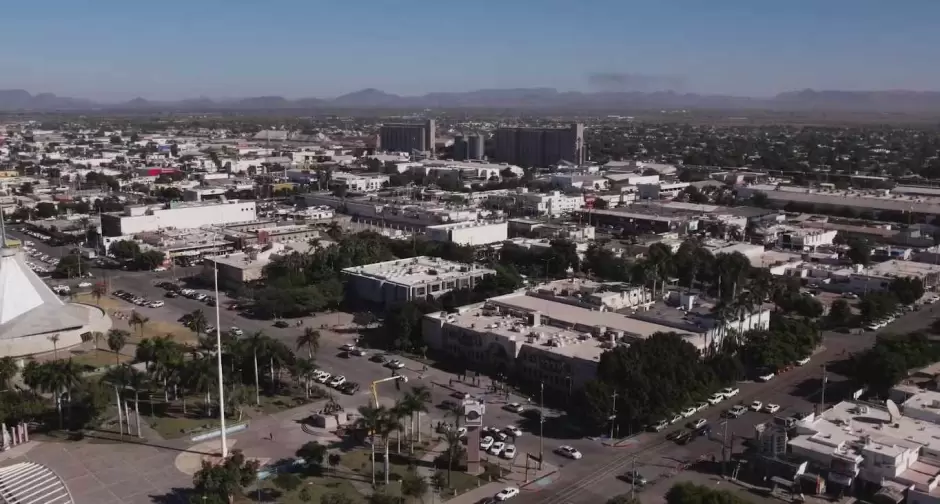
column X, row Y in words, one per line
column 115, row 52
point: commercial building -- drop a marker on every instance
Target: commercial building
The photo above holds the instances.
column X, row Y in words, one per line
column 236, row 269
column 264, row 233
column 554, row 204
column 394, row 282
column 875, row 202
column 798, row 238
column 408, row 137
column 359, row 182
column 660, row 190
column 469, row 233
column 140, row 218
column 540, row 147
column 865, row 446
column 469, row 147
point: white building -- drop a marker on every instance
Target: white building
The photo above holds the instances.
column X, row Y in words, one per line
column 469, row 233
column 140, row 218
column 366, row 182
column 393, row 282
column 867, row 444
column 552, row 204
column 660, row 190
column 799, row 238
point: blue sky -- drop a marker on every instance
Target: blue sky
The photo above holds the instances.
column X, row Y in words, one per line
column 116, row 50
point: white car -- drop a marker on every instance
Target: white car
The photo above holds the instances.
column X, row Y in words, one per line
column 771, row 408
column 715, row 398
column 348, row 347
column 568, row 451
column 486, row 443
column 803, row 361
column 513, row 430
column 686, row 413
column 158, row 269
column 675, row 418
column 514, row 407
column 85, row 285
column 156, row 304
column 324, row 377
column 236, row 331
column 702, row 406
column 507, row 493
column 509, row 452
column 756, row 406
column 766, row 378
column 497, row 448
column 336, row 381
column 729, row 392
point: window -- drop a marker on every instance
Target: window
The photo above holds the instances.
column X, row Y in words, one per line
column 435, row 287
column 449, row 285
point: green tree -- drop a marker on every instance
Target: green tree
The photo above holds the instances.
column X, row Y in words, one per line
column 221, row 483
column 149, row 260
column 840, row 314
column 313, row 454
column 690, row 493
column 257, row 343
column 906, row 289
column 336, row 498
column 413, row 486
column 124, row 249
column 310, row 339
column 8, row 371
column 117, row 338
column 288, row 481
column 859, row 252
column 370, row 421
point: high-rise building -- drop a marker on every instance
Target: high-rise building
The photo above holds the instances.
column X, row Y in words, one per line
column 540, row 146
column 408, row 137
column 476, row 146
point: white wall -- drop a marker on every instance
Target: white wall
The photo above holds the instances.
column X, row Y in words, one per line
column 190, row 217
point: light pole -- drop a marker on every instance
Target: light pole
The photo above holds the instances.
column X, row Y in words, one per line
column 613, row 415
column 541, row 420
column 218, row 354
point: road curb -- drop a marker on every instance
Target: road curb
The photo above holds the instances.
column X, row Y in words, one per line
column 540, row 478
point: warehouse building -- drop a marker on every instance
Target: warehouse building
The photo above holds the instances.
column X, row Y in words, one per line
column 140, row 218
column 470, row 233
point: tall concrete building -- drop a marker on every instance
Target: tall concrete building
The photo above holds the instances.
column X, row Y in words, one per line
column 540, row 146
column 469, row 147
column 408, row 137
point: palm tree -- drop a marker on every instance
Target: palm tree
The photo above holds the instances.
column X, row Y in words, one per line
column 257, row 343
column 198, row 322
column 417, row 399
column 398, row 412
column 303, row 371
column 96, row 336
column 202, row 378
column 370, row 420
column 452, row 437
column 98, row 291
column 136, row 381
column 389, row 423
column 139, row 321
column 310, row 339
column 145, row 352
column 8, row 370
column 55, row 345
column 117, row 338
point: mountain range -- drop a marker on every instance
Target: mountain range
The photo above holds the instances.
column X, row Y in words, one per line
column 521, row 98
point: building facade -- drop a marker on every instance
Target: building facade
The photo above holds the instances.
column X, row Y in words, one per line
column 394, row 282
column 470, row 233
column 408, row 137
column 540, row 147
column 141, row 218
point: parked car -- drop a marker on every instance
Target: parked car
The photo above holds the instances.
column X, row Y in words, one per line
column 715, row 398
column 358, row 352
column 658, row 426
column 336, row 381
column 736, row 411
column 347, row 347
column 324, row 377
column 634, row 478
column 513, row 430
column 766, row 377
column 509, row 452
column 394, row 364
column 686, row 413
column 486, row 443
column 281, row 324
column 349, row 388
column 771, row 408
column 497, row 448
column 378, row 358
column 84, row 285
column 756, row 406
column 729, row 392
column 236, row 331
column 803, row 361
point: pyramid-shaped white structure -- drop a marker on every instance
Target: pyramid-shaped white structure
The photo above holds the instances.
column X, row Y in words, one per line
column 28, row 307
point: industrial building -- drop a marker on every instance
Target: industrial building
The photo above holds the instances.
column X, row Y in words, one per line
column 540, row 147
column 876, row 202
column 359, row 182
column 469, row 147
column 408, row 137
column 140, row 218
column 469, row 233
column 394, row 282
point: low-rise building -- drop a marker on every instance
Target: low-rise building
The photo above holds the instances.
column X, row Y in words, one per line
column 394, row 282
column 469, row 233
column 141, row 218
column 555, row 203
column 237, row 269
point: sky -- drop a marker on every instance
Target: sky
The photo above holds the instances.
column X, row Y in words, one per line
column 113, row 50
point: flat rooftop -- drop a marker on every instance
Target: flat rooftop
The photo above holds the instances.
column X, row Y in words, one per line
column 896, row 268
column 875, row 200
column 416, row 270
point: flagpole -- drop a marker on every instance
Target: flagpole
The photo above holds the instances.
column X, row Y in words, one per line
column 218, row 353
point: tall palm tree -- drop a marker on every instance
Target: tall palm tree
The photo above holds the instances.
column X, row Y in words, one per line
column 139, row 321
column 145, row 352
column 136, row 381
column 370, row 420
column 452, row 437
column 117, row 338
column 418, row 399
column 8, row 370
column 310, row 339
column 303, row 371
column 98, row 291
column 55, row 345
column 389, row 423
column 398, row 412
column 202, row 378
column 257, row 343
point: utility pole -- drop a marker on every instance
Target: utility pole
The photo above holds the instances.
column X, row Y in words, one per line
column 822, row 397
column 613, row 415
column 541, row 420
column 633, row 480
column 724, row 449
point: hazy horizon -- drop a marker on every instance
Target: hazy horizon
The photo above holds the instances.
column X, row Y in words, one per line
column 113, row 51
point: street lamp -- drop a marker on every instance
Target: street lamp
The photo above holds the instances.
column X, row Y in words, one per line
column 541, row 420
column 218, row 354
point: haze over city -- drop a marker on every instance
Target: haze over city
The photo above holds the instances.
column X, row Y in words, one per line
column 115, row 51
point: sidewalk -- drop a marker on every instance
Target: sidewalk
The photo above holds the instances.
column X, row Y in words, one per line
column 516, row 478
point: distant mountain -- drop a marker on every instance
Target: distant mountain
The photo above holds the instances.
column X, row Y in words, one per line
column 520, row 98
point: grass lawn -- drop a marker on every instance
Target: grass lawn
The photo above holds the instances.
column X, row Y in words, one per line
column 172, row 427
column 276, row 403
column 95, row 358
column 317, row 485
